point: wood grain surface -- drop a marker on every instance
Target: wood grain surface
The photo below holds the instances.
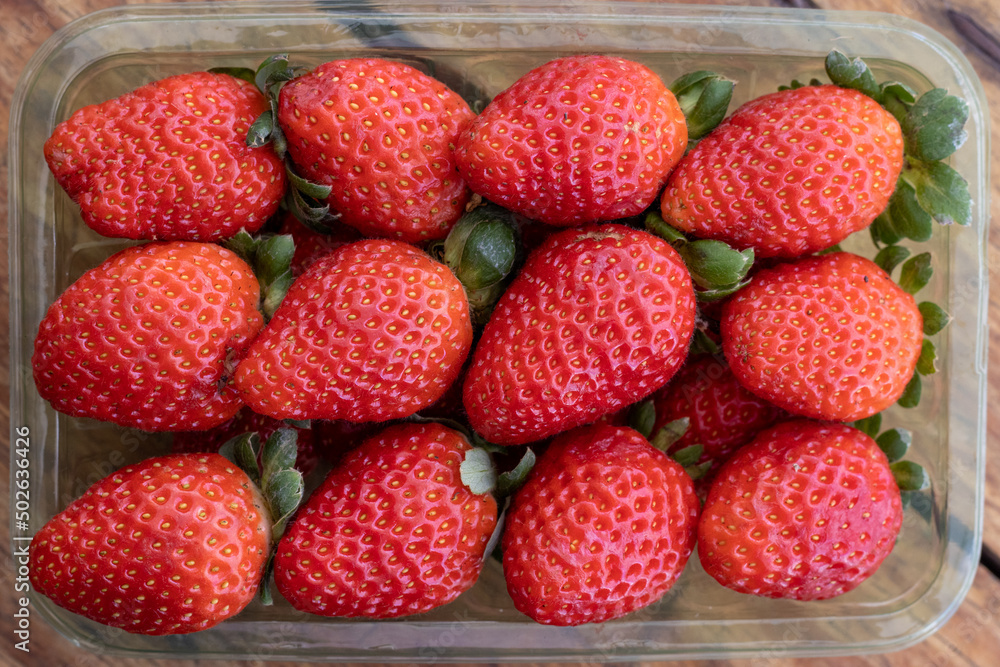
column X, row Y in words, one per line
column 970, row 638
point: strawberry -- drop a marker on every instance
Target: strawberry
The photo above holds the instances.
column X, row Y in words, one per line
column 829, row 337
column 169, row 161
column 603, row 526
column 392, row 531
column 806, row 511
column 171, row 545
column 375, row 330
column 722, row 415
column 248, row 421
column 382, row 134
column 149, row 338
column 579, row 139
column 597, row 319
column 789, row 173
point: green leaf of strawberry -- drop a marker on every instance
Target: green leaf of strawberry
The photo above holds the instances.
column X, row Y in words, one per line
column 244, row 73
column 870, row 426
column 853, row 74
column 670, row 433
column 905, row 216
column 270, row 256
column 941, row 191
column 895, row 442
column 910, row 476
column 897, row 98
column 704, row 98
column 916, row 273
column 642, row 417
column 889, row 257
column 510, row 481
column 910, row 397
column 242, row 450
column 934, row 127
column 478, row 472
column 927, row 363
column 935, row 317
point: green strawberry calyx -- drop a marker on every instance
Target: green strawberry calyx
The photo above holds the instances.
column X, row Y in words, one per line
column 895, row 443
column 915, row 273
column 270, row 257
column 280, row 484
column 704, row 99
column 717, row 269
column 304, row 199
column 642, row 418
column 482, row 250
column 933, row 127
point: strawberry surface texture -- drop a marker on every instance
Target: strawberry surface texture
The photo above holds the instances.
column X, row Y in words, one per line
column 603, row 527
column 580, row 139
column 789, row 173
column 829, row 337
column 171, row 545
column 806, row 511
column 382, row 134
column 169, row 161
column 150, row 338
column 392, row 531
column 722, row 414
column 375, row 330
column 598, row 318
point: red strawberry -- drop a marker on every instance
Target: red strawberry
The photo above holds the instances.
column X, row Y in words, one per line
column 597, row 319
column 392, row 531
column 248, row 421
column 171, row 545
column 149, row 338
column 311, row 245
column 829, row 337
column 374, row 331
column 169, row 161
column 382, row 134
column 580, row 139
column 806, row 511
column 789, row 173
column 722, row 415
column 603, row 527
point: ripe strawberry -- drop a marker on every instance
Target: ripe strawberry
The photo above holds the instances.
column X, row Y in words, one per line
column 829, row 337
column 806, row 511
column 722, row 415
column 374, row 331
column 597, row 319
column 248, row 421
column 382, row 134
column 311, row 245
column 171, row 545
column 603, row 527
column 169, row 161
column 789, row 173
column 150, row 337
column 580, row 139
column 392, row 531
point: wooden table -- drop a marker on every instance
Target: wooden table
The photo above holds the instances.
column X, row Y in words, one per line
column 971, row 637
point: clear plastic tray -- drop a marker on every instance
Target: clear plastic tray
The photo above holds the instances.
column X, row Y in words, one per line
column 479, row 49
